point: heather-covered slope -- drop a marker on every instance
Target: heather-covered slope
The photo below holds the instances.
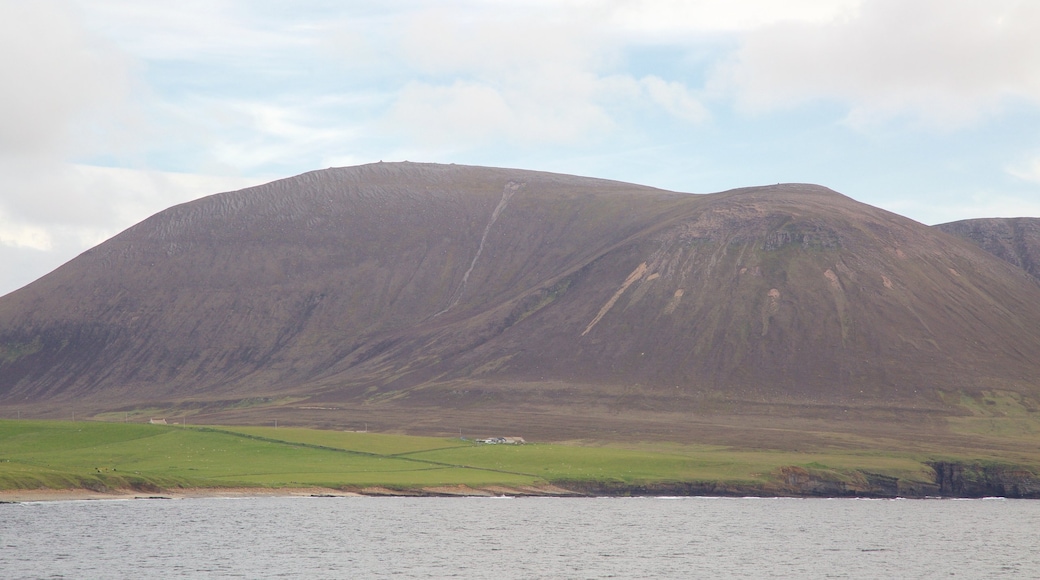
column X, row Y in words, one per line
column 268, row 288
column 1016, row 240
column 429, row 286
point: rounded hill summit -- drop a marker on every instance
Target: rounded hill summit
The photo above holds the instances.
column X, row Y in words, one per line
column 461, row 288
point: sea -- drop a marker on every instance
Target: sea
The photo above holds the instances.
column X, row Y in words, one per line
column 500, row 538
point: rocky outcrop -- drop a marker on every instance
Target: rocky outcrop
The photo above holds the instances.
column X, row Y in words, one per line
column 1015, row 240
column 952, row 480
column 980, row 479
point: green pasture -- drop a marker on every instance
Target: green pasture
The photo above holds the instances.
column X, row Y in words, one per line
column 539, row 461
column 648, row 463
column 99, row 455
column 660, row 461
column 377, row 443
column 43, row 454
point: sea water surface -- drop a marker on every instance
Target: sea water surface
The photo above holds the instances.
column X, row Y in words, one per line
column 364, row 537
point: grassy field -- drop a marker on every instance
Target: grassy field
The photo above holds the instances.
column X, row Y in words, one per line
column 102, row 456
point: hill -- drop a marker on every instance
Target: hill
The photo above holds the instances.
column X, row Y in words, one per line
column 1016, row 240
column 431, row 297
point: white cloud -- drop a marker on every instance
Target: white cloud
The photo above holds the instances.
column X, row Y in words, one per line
column 1027, row 169
column 484, row 76
column 95, row 201
column 248, row 135
column 496, row 44
column 58, row 79
column 56, row 215
column 527, row 76
column 20, row 235
column 945, row 62
column 673, row 19
column 471, row 113
column 675, row 98
column 131, row 195
column 264, row 88
column 196, row 30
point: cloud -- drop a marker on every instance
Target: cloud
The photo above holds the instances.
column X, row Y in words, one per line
column 946, row 63
column 20, row 235
column 231, row 31
column 250, row 135
column 22, row 266
column 622, row 87
column 55, row 215
column 97, row 201
column 1026, row 169
column 484, row 76
column 674, row 19
column 496, row 44
column 471, row 113
column 58, row 79
column 527, row 76
column 674, row 98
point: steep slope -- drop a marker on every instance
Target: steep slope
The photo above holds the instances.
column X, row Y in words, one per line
column 428, row 286
column 788, row 293
column 1016, row 240
column 260, row 290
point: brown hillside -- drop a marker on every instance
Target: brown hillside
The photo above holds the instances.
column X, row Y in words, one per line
column 454, row 290
column 1016, row 240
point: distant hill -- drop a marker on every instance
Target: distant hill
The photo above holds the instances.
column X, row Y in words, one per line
column 437, row 288
column 1016, row 240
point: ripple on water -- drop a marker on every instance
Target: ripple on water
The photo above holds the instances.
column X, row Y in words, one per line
column 523, row 538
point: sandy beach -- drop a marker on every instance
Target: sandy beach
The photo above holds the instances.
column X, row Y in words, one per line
column 32, row 495
column 25, row 495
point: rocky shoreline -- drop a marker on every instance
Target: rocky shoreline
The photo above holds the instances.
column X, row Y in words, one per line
column 952, row 480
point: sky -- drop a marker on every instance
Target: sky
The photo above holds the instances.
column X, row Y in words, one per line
column 113, row 110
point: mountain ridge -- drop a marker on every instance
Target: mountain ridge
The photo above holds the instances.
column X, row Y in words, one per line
column 1015, row 240
column 421, row 286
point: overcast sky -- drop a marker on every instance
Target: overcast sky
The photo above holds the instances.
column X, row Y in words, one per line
column 112, row 110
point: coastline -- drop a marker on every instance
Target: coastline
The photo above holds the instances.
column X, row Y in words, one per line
column 47, row 495
column 953, row 480
column 42, row 495
column 78, row 495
